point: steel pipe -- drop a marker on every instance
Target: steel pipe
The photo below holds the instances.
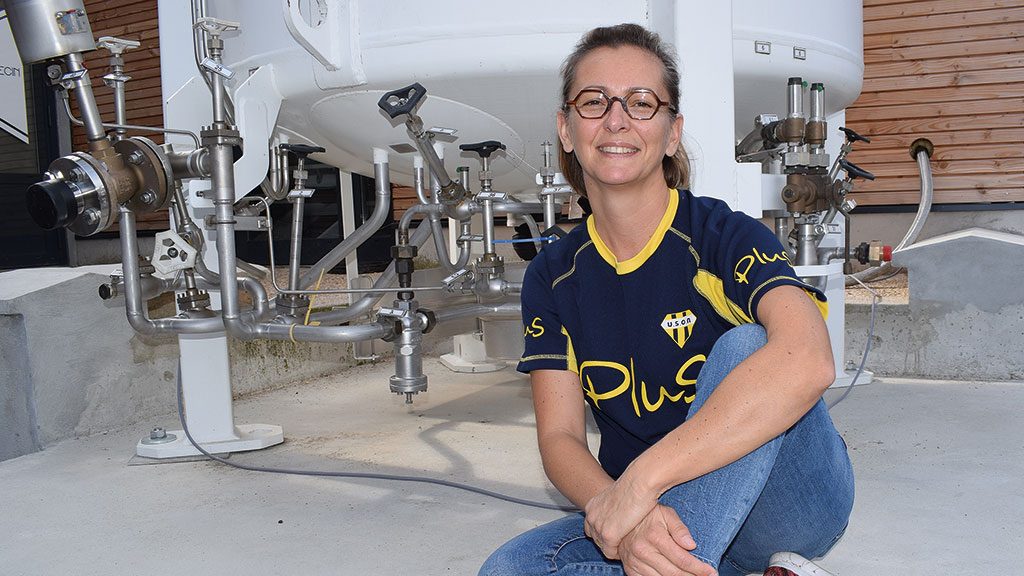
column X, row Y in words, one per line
column 381, row 208
column 135, row 307
column 363, row 306
column 86, row 100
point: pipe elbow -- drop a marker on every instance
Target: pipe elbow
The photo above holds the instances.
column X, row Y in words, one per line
column 236, row 328
column 141, row 324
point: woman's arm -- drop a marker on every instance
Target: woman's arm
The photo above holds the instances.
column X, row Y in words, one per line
column 562, row 436
column 761, row 398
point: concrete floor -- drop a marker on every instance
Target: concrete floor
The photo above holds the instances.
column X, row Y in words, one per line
column 939, row 489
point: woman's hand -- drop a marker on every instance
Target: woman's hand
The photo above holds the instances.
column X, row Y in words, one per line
column 659, row 546
column 615, row 512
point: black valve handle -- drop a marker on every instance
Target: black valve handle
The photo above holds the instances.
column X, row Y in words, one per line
column 484, row 149
column 302, row 150
column 854, row 171
column 852, row 136
column 402, row 101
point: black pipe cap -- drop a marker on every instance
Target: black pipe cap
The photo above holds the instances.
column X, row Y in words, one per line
column 51, row 203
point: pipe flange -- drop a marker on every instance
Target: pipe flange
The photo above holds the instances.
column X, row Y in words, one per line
column 921, row 145
column 226, row 136
column 194, row 300
column 152, row 172
column 294, row 305
column 91, row 185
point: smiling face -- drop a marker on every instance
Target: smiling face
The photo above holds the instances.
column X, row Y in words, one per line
column 617, row 151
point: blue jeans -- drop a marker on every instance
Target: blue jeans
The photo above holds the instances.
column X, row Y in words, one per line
column 792, row 494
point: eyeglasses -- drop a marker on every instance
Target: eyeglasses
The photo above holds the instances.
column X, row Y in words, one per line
column 639, row 104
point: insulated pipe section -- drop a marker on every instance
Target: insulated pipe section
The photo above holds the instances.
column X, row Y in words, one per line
column 295, row 252
column 795, row 98
column 488, row 227
column 434, row 217
column 418, row 179
column 815, row 131
column 192, row 164
column 381, row 207
column 86, row 100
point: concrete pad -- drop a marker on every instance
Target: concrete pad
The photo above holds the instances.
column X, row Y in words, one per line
column 975, row 267
column 938, row 468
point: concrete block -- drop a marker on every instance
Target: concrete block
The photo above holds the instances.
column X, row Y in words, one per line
column 975, row 266
column 965, row 316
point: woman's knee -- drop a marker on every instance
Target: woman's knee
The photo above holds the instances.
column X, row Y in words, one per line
column 741, row 341
column 503, row 562
column 733, row 347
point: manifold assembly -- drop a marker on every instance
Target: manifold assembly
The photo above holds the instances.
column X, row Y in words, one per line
column 121, row 177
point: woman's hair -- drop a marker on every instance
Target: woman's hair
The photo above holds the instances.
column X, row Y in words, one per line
column 676, row 167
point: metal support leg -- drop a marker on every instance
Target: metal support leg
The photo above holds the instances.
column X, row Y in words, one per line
column 206, row 392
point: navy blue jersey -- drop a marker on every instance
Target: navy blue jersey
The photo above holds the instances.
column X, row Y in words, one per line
column 637, row 332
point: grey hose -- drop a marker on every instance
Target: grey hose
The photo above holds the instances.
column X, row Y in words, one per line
column 922, row 153
column 366, row 475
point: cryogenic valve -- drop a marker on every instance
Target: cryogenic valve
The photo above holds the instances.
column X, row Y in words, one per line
column 82, row 191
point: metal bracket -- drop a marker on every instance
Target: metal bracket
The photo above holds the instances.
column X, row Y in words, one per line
column 392, row 313
column 301, row 192
column 217, row 68
column 449, row 281
column 555, row 190
column 440, row 131
column 242, row 223
column 492, row 195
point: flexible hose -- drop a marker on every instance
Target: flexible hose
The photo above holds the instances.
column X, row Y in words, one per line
column 363, row 475
column 921, row 150
column 867, row 347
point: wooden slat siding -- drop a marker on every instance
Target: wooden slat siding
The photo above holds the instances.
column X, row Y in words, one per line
column 942, row 21
column 950, row 80
column 889, row 9
column 403, row 198
column 951, row 71
column 937, row 110
column 955, row 168
column 958, row 49
column 900, row 143
column 942, row 95
column 912, row 197
column 974, row 152
column 943, row 65
column 133, row 20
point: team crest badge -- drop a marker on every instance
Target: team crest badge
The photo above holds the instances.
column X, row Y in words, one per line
column 679, row 326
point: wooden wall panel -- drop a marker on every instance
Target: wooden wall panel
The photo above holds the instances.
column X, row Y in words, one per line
column 132, row 20
column 951, row 71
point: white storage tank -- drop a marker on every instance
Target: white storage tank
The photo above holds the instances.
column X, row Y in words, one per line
column 491, row 72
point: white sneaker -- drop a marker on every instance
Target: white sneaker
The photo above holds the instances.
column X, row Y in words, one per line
column 793, row 564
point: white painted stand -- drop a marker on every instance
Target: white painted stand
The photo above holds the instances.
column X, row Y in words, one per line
column 206, row 393
column 835, row 291
column 470, row 355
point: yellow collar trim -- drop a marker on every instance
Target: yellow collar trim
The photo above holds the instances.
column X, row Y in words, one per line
column 627, row 266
